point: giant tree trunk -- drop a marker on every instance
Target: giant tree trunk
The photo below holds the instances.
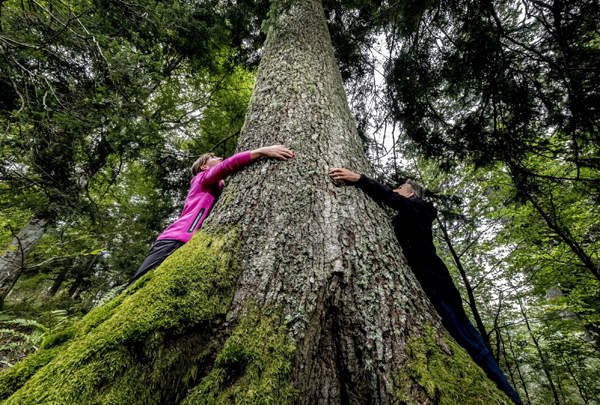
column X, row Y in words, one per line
column 13, row 259
column 295, row 290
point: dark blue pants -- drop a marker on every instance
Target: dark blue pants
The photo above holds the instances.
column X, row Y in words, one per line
column 469, row 339
column 160, row 251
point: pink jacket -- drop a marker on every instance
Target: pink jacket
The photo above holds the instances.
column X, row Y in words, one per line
column 204, row 189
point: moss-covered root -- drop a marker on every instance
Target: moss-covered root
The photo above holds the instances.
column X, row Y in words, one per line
column 433, row 376
column 255, row 365
column 149, row 345
column 14, row 378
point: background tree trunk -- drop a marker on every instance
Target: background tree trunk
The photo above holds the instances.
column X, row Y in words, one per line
column 470, row 290
column 541, row 355
column 514, row 357
column 13, row 259
column 295, row 290
column 554, row 293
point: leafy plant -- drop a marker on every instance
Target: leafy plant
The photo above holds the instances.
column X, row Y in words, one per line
column 19, row 336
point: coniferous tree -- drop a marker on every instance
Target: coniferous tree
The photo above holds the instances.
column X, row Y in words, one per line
column 295, row 291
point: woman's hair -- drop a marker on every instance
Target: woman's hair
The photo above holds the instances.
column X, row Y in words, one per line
column 416, row 188
column 196, row 167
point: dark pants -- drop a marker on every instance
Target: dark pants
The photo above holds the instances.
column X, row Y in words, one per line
column 469, row 339
column 160, row 251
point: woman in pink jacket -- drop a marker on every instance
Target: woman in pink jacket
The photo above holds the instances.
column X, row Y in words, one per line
column 208, row 172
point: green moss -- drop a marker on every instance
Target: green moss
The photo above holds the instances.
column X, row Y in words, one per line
column 57, row 339
column 254, row 366
column 149, row 345
column 441, row 378
column 14, row 378
column 269, row 25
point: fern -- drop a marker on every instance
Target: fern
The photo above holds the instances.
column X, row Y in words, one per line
column 110, row 295
column 28, row 323
column 22, row 335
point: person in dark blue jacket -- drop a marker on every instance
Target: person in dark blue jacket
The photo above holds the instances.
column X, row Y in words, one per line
column 413, row 228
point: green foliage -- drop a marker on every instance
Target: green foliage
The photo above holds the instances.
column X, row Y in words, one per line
column 130, row 79
column 495, row 86
column 102, row 147
column 254, row 366
column 488, row 82
column 12, row 219
column 21, row 336
column 109, row 127
column 104, row 105
column 443, row 377
column 145, row 346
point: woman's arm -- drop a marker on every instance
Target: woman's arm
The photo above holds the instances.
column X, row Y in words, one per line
column 237, row 161
column 275, row 151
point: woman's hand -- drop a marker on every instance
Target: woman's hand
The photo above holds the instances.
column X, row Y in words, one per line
column 275, row 151
column 339, row 173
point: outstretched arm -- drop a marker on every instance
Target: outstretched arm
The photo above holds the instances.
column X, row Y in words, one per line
column 275, row 151
column 373, row 189
column 237, row 161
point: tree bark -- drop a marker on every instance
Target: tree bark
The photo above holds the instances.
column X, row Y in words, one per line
column 13, row 259
column 294, row 291
column 58, row 280
column 327, row 254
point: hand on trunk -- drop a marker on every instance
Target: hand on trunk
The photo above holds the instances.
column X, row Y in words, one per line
column 339, row 173
column 275, row 151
